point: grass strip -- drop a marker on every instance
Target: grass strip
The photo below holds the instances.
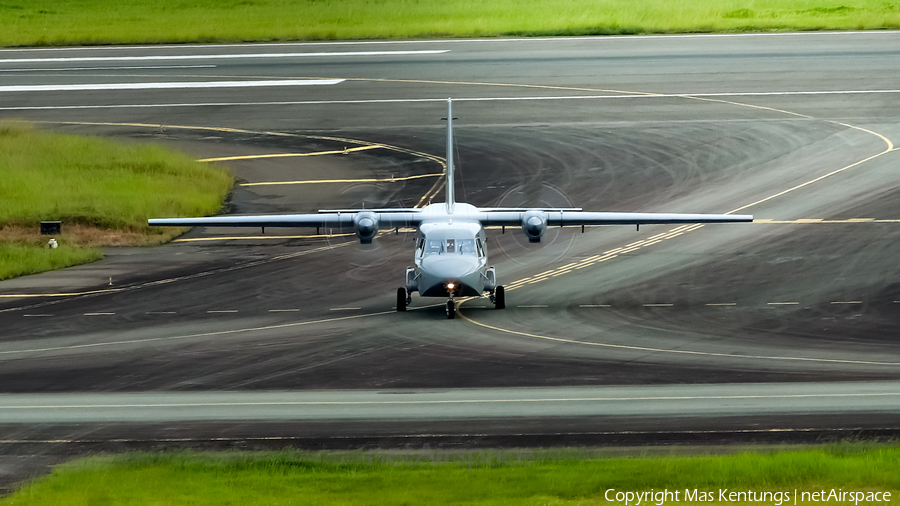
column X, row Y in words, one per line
column 68, row 22
column 102, row 191
column 482, row 477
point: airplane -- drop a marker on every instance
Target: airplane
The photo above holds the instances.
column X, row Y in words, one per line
column 450, row 250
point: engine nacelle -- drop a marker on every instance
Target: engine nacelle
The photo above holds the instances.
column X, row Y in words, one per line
column 534, row 223
column 366, row 226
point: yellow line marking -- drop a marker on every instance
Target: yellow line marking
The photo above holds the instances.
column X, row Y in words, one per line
column 70, row 294
column 258, row 237
column 425, row 198
column 205, row 334
column 290, row 155
column 320, row 181
column 36, row 315
column 680, row 352
column 723, row 304
column 783, row 303
column 832, row 173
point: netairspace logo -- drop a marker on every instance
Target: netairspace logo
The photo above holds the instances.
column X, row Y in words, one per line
column 724, row 495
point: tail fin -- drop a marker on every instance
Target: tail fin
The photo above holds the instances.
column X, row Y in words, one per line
column 450, row 169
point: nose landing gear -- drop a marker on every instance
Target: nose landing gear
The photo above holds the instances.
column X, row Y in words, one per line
column 451, row 309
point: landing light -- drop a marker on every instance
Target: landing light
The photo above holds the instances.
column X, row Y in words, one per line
column 451, row 286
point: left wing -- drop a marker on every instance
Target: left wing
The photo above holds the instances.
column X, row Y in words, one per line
column 535, row 222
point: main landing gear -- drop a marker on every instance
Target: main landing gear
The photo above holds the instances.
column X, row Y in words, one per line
column 498, row 298
column 403, row 299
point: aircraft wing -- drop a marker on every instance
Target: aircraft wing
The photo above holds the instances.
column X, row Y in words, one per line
column 336, row 220
column 575, row 218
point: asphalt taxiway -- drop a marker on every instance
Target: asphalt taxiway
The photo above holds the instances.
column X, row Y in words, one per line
column 797, row 129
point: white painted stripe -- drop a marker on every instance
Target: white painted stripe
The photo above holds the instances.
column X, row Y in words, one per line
column 345, row 309
column 283, row 310
column 460, row 99
column 222, row 56
column 171, row 85
column 155, row 67
column 99, row 314
column 533, row 306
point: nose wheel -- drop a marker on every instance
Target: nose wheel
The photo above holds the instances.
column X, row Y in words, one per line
column 451, row 309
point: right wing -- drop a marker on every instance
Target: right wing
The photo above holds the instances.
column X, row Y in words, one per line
column 349, row 218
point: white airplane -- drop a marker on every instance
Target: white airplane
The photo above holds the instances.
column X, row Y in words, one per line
column 451, row 254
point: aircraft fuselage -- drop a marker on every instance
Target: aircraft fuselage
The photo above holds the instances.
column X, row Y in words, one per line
column 451, row 254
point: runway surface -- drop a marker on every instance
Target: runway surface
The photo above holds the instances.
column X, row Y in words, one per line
column 797, row 129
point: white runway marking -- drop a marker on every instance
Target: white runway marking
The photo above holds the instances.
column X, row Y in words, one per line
column 170, row 85
column 155, row 67
column 222, row 56
column 99, row 314
column 461, row 99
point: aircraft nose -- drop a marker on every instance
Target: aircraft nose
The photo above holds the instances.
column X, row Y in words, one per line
column 449, row 267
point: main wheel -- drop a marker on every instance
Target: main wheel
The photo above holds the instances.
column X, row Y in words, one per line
column 401, row 299
column 451, row 310
column 499, row 298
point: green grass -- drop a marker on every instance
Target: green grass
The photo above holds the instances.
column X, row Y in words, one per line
column 102, row 191
column 478, row 477
column 66, row 22
column 23, row 259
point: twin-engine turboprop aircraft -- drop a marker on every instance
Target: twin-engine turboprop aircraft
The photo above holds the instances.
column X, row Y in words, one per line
column 451, row 254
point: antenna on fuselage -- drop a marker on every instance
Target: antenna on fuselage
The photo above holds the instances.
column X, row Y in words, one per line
column 450, row 197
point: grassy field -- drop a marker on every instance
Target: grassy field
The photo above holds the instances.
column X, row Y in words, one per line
column 67, row 22
column 103, row 192
column 482, row 477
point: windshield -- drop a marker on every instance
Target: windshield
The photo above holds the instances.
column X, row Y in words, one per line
column 450, row 246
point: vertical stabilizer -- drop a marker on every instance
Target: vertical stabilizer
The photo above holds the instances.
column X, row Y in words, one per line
column 450, row 197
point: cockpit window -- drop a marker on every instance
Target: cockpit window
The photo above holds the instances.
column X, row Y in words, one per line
column 455, row 246
column 466, row 246
column 433, row 247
